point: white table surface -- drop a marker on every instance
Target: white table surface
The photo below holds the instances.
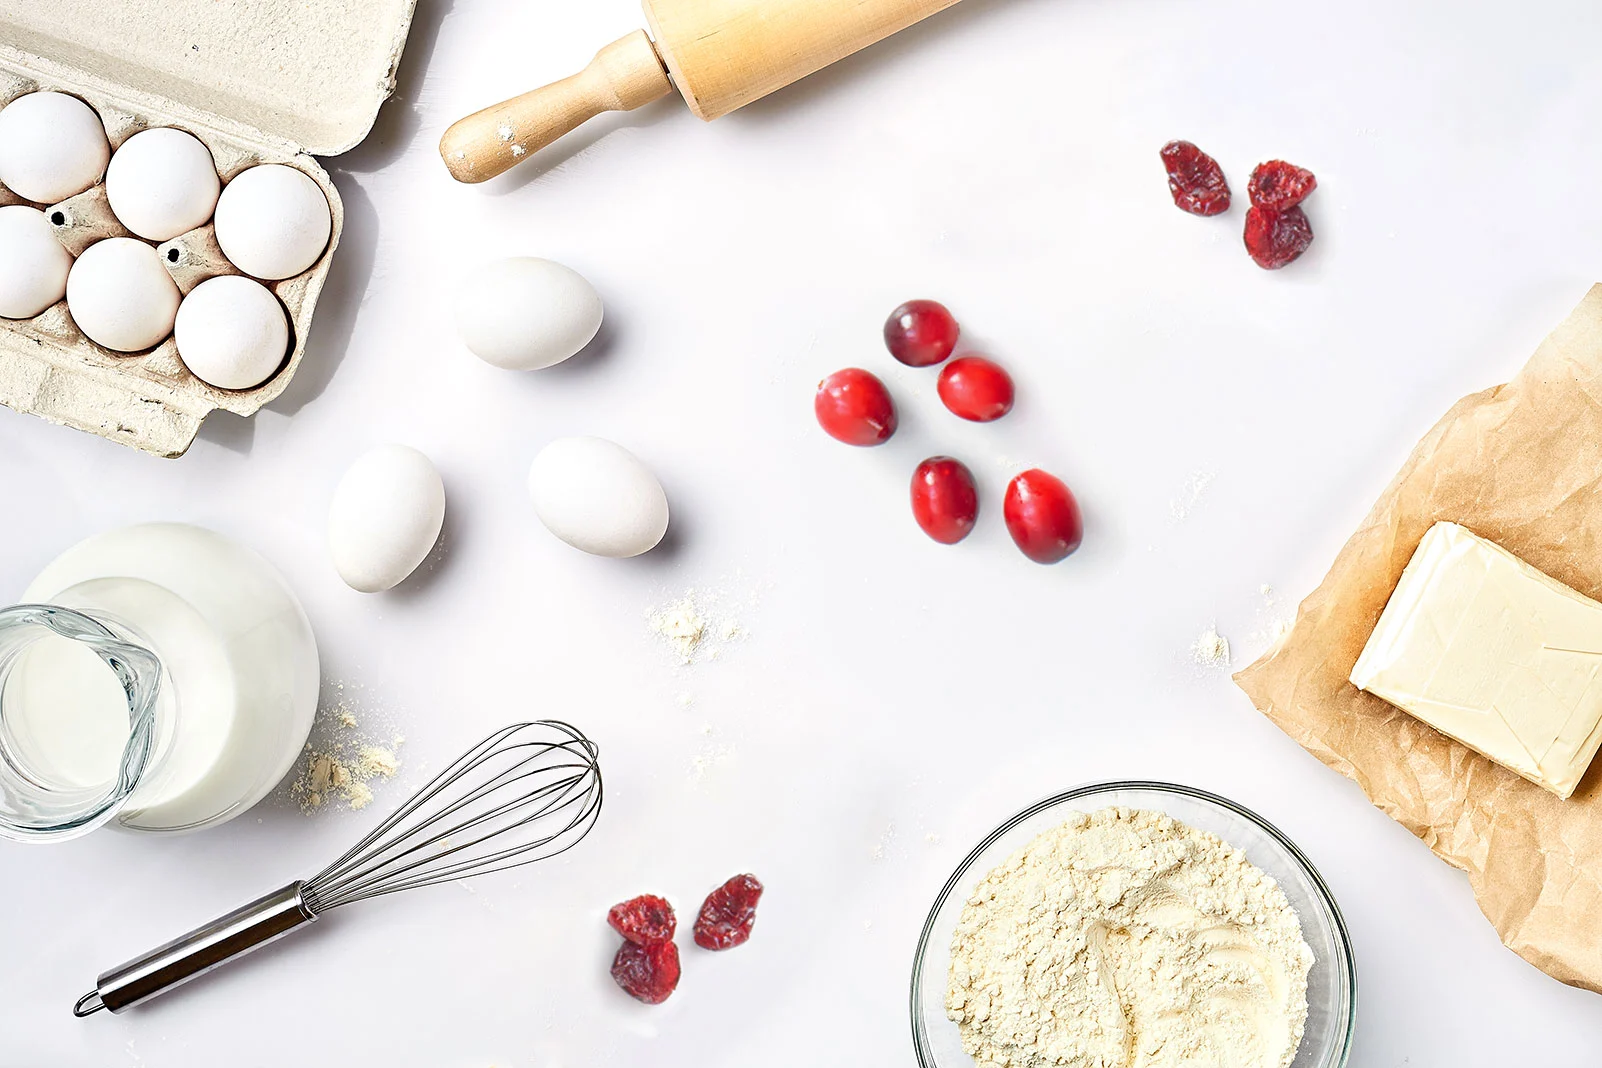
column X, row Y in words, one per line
column 892, row 699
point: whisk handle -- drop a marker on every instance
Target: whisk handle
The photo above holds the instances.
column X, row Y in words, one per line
column 198, row 952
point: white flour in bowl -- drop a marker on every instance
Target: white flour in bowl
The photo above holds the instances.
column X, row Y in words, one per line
column 1127, row 939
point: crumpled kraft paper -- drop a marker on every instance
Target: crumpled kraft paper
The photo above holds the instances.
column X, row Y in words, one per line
column 1520, row 464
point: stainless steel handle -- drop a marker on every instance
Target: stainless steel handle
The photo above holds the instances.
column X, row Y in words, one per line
column 198, row 952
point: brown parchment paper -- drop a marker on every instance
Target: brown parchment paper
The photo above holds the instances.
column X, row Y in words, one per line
column 1520, row 464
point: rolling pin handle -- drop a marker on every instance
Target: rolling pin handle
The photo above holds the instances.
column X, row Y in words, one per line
column 624, row 75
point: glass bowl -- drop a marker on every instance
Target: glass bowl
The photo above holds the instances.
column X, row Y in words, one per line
column 1331, row 986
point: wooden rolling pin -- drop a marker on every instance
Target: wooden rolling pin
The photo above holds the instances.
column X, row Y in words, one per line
column 720, row 54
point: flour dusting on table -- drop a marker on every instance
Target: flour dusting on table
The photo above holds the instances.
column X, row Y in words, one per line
column 342, row 761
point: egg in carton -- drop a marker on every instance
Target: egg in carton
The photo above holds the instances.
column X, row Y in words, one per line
column 150, row 399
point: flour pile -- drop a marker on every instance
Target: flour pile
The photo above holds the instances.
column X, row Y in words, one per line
column 687, row 626
column 341, row 763
column 1126, row 939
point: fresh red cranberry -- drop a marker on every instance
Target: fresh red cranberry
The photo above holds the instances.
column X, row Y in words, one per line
column 1195, row 179
column 647, row 973
column 945, row 501
column 645, row 919
column 854, row 407
column 921, row 333
column 976, row 389
column 1275, row 238
column 1280, row 186
column 1042, row 516
column 728, row 913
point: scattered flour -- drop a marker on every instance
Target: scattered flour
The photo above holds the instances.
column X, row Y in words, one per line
column 375, row 761
column 358, row 795
column 682, row 626
column 1279, row 624
column 1126, row 938
column 703, row 763
column 711, row 755
column 882, row 848
column 1211, row 649
column 695, row 626
column 1191, row 495
column 342, row 763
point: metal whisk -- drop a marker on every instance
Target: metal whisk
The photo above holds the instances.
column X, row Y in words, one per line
column 525, row 793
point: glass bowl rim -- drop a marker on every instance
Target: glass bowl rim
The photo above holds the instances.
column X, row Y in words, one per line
column 1343, row 936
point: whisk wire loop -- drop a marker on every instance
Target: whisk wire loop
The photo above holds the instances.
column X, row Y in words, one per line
column 534, row 786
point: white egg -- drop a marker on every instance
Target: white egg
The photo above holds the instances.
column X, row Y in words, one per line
column 231, row 332
column 527, row 313
column 386, row 515
column 597, row 496
column 33, row 264
column 52, row 146
column 162, row 183
column 272, row 221
column 121, row 296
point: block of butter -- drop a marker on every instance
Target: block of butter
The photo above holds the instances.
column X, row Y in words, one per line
column 1486, row 649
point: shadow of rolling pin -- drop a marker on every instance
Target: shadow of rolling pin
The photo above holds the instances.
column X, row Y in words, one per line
column 719, row 54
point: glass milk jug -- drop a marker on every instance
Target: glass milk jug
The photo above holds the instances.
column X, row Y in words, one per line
column 160, row 676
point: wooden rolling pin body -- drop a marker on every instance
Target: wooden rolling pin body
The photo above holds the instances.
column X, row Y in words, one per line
column 720, row 54
column 723, row 54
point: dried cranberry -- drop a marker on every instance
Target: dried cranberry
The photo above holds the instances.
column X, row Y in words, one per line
column 1195, row 179
column 728, row 913
column 1275, row 238
column 1042, row 516
column 1280, row 186
column 854, row 407
column 975, row 389
column 647, row 973
column 921, row 333
column 645, row 919
column 945, row 501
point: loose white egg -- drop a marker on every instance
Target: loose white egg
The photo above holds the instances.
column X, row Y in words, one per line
column 386, row 515
column 162, row 183
column 231, row 332
column 121, row 296
column 597, row 496
column 33, row 265
column 527, row 313
column 272, row 221
column 52, row 146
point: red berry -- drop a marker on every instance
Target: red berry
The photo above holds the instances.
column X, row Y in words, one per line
column 976, row 389
column 1195, row 179
column 1275, row 238
column 1280, row 186
column 854, row 407
column 647, row 973
column 1042, row 516
column 728, row 913
column 945, row 501
column 645, row 919
column 920, row 333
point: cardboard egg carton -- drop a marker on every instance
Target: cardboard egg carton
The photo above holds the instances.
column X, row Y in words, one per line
column 315, row 73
